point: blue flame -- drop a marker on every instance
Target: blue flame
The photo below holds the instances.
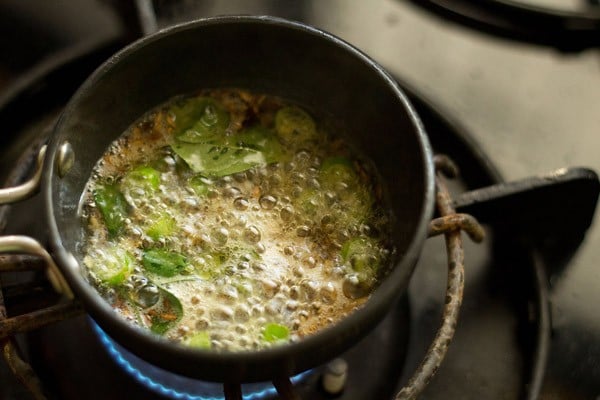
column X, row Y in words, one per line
column 195, row 389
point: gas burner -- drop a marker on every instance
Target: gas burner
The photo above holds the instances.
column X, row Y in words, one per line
column 563, row 28
column 370, row 371
column 175, row 386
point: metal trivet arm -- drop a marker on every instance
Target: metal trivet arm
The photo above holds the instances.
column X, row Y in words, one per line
column 450, row 224
column 17, row 244
column 20, row 369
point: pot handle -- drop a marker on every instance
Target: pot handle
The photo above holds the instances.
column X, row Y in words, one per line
column 28, row 188
column 450, row 224
column 28, row 245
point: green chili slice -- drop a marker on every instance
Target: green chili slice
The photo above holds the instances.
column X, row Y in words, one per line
column 293, row 123
column 275, row 332
column 113, row 207
column 116, row 265
column 161, row 226
column 200, row 340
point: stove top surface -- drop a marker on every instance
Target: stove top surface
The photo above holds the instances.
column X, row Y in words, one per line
column 516, row 102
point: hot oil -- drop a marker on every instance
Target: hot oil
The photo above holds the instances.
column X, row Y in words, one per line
column 298, row 243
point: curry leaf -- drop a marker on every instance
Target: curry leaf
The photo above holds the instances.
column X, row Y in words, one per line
column 261, row 139
column 163, row 262
column 215, row 160
column 166, row 313
column 199, row 120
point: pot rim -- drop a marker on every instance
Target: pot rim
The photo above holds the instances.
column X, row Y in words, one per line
column 388, row 291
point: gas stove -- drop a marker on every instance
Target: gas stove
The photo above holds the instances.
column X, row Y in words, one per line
column 527, row 329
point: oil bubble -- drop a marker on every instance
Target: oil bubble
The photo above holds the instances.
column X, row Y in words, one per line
column 290, row 166
column 241, row 203
column 243, row 265
column 222, row 313
column 298, row 178
column 274, row 306
column 331, row 198
column 295, row 292
column 257, row 310
column 219, row 236
column 286, row 213
column 327, row 293
column 353, row 288
column 309, row 289
column 231, row 192
column 303, row 157
column 252, row 234
column 260, row 248
column 297, row 191
column 267, row 202
column 147, row 296
column 298, row 271
column 202, row 324
column 275, row 180
column 224, row 181
column 343, row 235
column 138, row 280
column 183, row 330
column 303, row 315
column 228, row 294
column 303, row 231
column 268, row 236
column 240, row 177
column 313, row 183
column 269, row 287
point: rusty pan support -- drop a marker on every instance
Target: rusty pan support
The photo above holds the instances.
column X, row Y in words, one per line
column 24, row 323
column 20, row 369
column 450, row 224
column 40, row 318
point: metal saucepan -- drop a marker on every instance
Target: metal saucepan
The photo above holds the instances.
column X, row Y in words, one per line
column 262, row 54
